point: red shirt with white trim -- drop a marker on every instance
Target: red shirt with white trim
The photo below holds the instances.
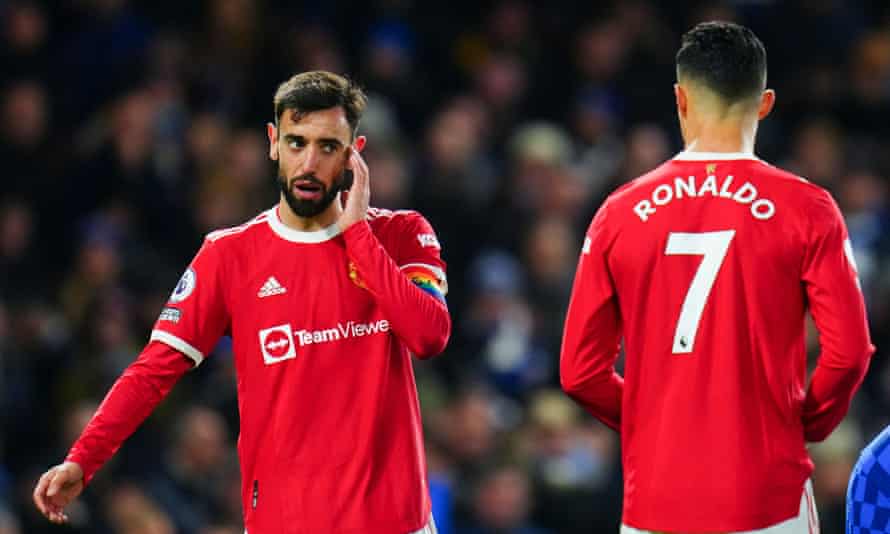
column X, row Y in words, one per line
column 706, row 267
column 323, row 326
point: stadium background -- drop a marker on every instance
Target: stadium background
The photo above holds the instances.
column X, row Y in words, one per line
column 131, row 128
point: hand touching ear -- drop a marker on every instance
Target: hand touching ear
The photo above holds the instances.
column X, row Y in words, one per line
column 360, row 195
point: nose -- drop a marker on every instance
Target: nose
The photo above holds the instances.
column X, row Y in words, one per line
column 310, row 159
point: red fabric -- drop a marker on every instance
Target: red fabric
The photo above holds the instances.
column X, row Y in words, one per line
column 714, row 420
column 131, row 399
column 321, row 325
column 423, row 323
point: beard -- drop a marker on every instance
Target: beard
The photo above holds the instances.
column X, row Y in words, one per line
column 305, row 207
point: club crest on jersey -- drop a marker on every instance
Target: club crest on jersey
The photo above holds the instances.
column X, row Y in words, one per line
column 185, row 286
column 354, row 276
column 277, row 344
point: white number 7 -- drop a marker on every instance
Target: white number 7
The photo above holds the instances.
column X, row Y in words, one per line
column 713, row 245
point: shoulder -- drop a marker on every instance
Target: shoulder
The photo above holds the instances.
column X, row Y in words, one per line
column 403, row 230
column 385, row 221
column 385, row 216
column 628, row 192
column 815, row 201
column 234, row 234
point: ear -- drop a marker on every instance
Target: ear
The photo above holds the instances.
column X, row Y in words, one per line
column 272, row 132
column 360, row 142
column 682, row 99
column 767, row 101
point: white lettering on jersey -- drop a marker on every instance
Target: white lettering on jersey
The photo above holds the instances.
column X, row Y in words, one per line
column 170, row 314
column 277, row 344
column 644, row 209
column 342, row 331
column 428, row 240
column 663, row 194
column 585, row 249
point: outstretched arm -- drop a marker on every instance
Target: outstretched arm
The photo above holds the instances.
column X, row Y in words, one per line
column 134, row 395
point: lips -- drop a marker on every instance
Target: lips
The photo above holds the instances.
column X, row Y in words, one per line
column 307, row 189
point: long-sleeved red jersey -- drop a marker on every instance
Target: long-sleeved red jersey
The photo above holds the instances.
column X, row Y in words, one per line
column 323, row 325
column 705, row 267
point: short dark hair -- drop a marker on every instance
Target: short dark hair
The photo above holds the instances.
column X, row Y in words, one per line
column 726, row 57
column 316, row 90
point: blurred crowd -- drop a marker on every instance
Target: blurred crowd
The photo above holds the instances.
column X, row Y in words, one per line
column 129, row 129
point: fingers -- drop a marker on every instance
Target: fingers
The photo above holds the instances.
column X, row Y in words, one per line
column 359, row 167
column 39, row 491
column 49, row 485
column 56, row 483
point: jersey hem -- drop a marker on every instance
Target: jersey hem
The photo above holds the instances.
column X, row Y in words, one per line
column 740, row 524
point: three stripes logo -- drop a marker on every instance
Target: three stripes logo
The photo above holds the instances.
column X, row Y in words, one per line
column 271, row 287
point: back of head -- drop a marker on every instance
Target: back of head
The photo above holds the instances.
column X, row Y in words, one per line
column 725, row 58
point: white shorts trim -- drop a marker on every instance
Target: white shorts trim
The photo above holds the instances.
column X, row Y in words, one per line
column 178, row 344
column 429, row 528
column 806, row 522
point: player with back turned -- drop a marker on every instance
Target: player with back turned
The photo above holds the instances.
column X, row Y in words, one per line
column 325, row 304
column 705, row 268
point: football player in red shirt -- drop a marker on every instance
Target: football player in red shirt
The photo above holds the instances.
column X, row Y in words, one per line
column 705, row 268
column 325, row 304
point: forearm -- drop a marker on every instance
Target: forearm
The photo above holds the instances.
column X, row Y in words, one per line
column 587, row 374
column 601, row 397
column 130, row 400
column 830, row 393
column 590, row 347
column 420, row 320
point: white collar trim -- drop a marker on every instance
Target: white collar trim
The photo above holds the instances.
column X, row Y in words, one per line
column 687, row 155
column 297, row 236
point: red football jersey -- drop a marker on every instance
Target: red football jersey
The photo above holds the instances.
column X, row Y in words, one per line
column 323, row 325
column 706, row 267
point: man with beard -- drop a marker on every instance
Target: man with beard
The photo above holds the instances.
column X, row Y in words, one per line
column 325, row 303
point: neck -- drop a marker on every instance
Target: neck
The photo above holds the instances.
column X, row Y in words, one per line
column 309, row 224
column 726, row 135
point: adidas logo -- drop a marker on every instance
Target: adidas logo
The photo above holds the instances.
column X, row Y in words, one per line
column 271, row 287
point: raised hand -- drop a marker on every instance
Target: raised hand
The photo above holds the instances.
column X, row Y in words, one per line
column 360, row 195
column 56, row 489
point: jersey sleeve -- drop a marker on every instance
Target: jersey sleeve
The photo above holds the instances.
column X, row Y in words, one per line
column 141, row 387
column 196, row 314
column 418, row 314
column 419, row 256
column 838, row 309
column 592, row 331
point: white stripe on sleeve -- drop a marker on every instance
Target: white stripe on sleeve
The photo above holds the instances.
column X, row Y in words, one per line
column 178, row 344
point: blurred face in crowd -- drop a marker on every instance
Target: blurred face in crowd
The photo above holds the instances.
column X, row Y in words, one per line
column 503, row 498
column 311, row 150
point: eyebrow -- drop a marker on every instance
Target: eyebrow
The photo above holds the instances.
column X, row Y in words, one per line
column 323, row 140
